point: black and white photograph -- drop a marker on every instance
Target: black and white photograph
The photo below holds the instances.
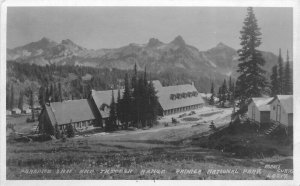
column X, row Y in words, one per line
column 149, row 93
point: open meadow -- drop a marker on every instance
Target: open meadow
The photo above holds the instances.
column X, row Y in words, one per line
column 163, row 152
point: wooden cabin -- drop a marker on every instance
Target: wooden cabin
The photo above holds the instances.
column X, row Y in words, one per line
column 259, row 110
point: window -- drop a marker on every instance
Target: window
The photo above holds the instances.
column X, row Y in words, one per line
column 178, row 96
column 172, row 96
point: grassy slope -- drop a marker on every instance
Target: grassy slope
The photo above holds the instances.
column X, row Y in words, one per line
column 161, row 148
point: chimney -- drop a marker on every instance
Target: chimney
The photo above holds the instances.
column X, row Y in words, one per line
column 192, row 83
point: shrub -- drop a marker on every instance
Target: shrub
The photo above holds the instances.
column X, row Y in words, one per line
column 70, row 131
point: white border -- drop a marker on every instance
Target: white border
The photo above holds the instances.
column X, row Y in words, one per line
column 211, row 3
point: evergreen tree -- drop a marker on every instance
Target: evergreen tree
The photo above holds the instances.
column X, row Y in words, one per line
column 47, row 95
column 60, row 95
column 134, row 77
column 230, row 89
column 118, row 105
column 220, row 95
column 212, row 97
column 55, row 93
column 287, row 77
column 51, row 93
column 153, row 104
column 42, row 96
column 70, row 130
column 224, row 93
column 57, row 132
column 21, row 100
column 112, row 115
column 280, row 74
column 31, row 103
column 142, row 104
column 274, row 81
column 12, row 97
column 251, row 81
column 126, row 104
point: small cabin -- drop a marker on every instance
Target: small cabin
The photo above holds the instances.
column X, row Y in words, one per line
column 8, row 112
column 16, row 111
column 26, row 111
column 282, row 110
column 259, row 110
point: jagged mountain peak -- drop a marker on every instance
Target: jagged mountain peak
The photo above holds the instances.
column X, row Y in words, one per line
column 67, row 42
column 221, row 45
column 178, row 41
column 154, row 42
column 45, row 39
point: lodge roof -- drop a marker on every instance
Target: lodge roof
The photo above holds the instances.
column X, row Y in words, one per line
column 164, row 93
column 104, row 97
column 64, row 112
column 286, row 101
column 262, row 103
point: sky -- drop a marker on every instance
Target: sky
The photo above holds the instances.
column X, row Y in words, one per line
column 112, row 27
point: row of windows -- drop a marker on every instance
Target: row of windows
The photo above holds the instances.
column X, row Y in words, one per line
column 78, row 124
column 183, row 95
column 181, row 109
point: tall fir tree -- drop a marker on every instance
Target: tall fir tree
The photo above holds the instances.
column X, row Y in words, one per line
column 60, row 94
column 224, row 93
column 134, row 77
column 274, row 81
column 280, row 74
column 42, row 96
column 287, row 77
column 153, row 104
column 51, row 93
column 126, row 103
column 119, row 107
column 12, row 97
column 21, row 100
column 31, row 103
column 212, row 97
column 112, row 125
column 47, row 94
column 251, row 81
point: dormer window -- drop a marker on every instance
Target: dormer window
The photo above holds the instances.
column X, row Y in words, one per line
column 172, row 96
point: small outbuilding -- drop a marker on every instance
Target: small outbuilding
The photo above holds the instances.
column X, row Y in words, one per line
column 8, row 112
column 259, row 110
column 26, row 111
column 16, row 111
column 282, row 110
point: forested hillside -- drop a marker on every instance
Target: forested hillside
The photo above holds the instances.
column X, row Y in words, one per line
column 75, row 82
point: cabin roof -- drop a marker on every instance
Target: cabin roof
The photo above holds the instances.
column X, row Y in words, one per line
column 286, row 101
column 262, row 103
column 104, row 97
column 64, row 112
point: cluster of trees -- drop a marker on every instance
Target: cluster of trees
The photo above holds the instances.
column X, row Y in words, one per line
column 281, row 78
column 50, row 93
column 138, row 107
column 226, row 93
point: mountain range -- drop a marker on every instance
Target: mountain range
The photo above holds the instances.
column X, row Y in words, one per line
column 177, row 56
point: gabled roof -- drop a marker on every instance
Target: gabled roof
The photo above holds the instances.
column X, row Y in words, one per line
column 64, row 112
column 262, row 103
column 104, row 97
column 286, row 101
column 163, row 94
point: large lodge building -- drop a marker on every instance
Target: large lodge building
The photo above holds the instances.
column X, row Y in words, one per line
column 85, row 112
